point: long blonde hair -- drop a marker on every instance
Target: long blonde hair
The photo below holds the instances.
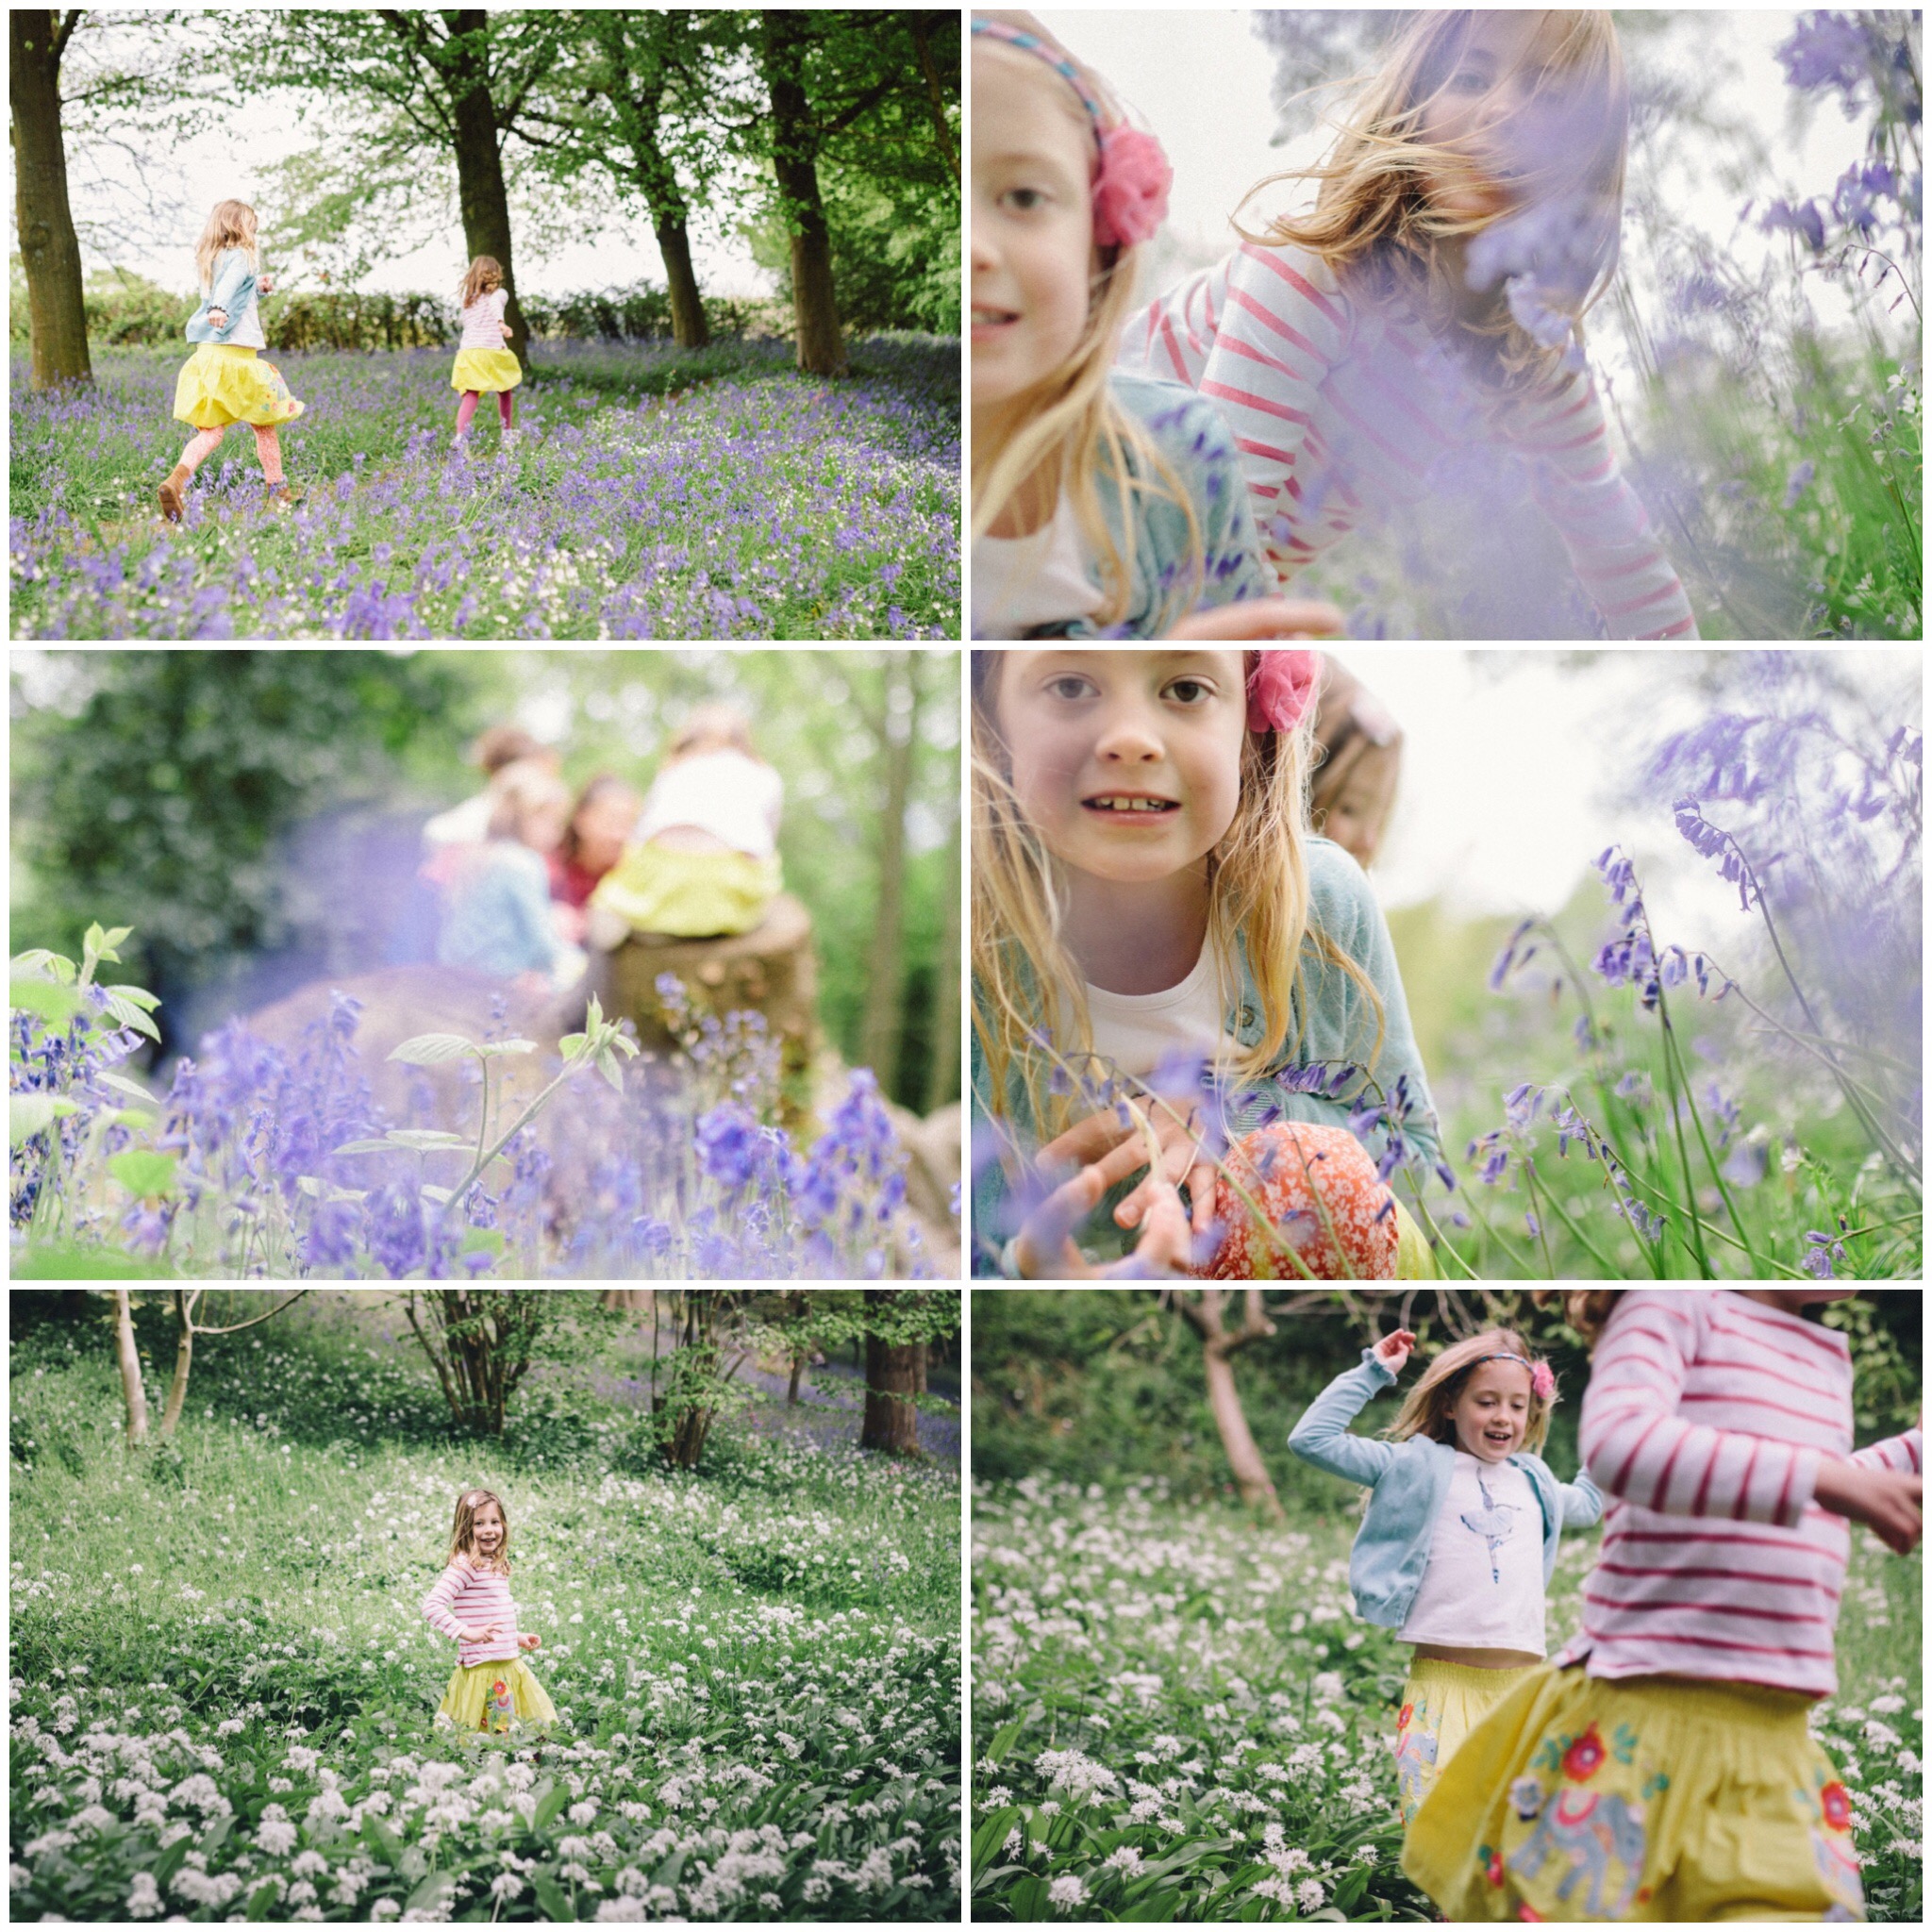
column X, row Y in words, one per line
column 1075, row 432
column 483, row 274
column 1373, row 214
column 230, row 224
column 462, row 1535
column 1428, row 1409
column 1024, row 978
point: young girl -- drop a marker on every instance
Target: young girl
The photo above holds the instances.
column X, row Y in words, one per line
column 491, row 1687
column 498, row 918
column 703, row 859
column 1145, row 888
column 600, row 827
column 1102, row 504
column 1431, row 304
column 1660, row 1766
column 224, row 381
column 1460, row 1536
column 483, row 364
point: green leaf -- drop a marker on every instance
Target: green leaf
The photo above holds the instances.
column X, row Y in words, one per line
column 442, row 1197
column 1027, row 1900
column 1153, row 1910
column 594, row 1018
column 433, row 1892
column 608, row 1068
column 130, row 1117
column 170, row 1862
column 133, row 1088
column 990, row 1835
column 328, row 1190
column 492, row 1047
column 552, row 1897
column 125, row 1013
column 263, row 1900
column 72, row 1261
column 39, row 962
column 55, row 1004
column 28, row 1114
column 551, row 1800
column 431, row 1049
column 145, row 1175
column 425, row 1139
column 139, row 995
column 1004, row 1738
column 365, row 1147
column 482, row 1240
column 573, row 1044
column 382, row 1841
column 211, row 1839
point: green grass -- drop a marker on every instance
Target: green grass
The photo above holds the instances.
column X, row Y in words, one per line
column 1224, row 1718
column 756, row 1667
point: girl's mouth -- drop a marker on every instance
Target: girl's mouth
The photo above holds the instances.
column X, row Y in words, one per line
column 1139, row 807
column 1499, row 1439
column 986, row 320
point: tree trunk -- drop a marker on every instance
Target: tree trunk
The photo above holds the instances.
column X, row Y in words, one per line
column 479, row 164
column 130, row 1355
column 879, row 1040
column 795, row 161
column 184, row 1359
column 688, row 323
column 1250, row 1473
column 49, row 249
column 891, row 1374
column 924, row 22
column 943, row 1080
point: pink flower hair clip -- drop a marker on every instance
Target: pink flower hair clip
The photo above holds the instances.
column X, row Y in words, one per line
column 1281, row 687
column 1542, row 1384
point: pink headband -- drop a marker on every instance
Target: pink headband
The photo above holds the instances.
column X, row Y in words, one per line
column 1542, row 1383
column 1281, row 687
column 1130, row 184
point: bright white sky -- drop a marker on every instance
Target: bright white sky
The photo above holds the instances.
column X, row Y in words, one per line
column 233, row 159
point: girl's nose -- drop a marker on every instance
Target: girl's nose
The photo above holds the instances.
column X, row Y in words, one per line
column 1126, row 737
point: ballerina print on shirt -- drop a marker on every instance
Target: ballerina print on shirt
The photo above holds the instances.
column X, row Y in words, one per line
column 1493, row 1523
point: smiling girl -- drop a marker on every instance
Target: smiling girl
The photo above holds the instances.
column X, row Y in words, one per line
column 491, row 1687
column 1425, row 317
column 1103, row 503
column 1459, row 1542
column 1146, row 891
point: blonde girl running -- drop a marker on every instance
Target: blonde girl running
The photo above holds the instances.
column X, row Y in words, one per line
column 491, row 1688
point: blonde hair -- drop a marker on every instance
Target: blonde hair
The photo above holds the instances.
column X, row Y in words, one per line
column 230, row 224
column 1428, row 1409
column 1074, row 431
column 1374, row 215
column 711, row 727
column 1025, row 980
column 462, row 1534
column 483, row 274
column 1586, row 1310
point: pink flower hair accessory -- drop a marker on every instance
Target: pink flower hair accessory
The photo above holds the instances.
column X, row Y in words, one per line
column 1542, row 1384
column 1130, row 189
column 1281, row 687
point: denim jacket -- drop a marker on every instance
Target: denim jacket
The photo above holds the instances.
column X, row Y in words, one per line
column 233, row 290
column 1190, row 434
column 1339, row 1025
column 1407, row 1483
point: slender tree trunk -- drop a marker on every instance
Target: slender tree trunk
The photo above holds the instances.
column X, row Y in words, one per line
column 129, row 1356
column 480, row 191
column 891, row 1374
column 795, row 161
column 924, row 22
column 1219, row 1345
column 49, row 248
column 184, row 1359
column 689, row 325
column 879, row 1039
column 943, row 1081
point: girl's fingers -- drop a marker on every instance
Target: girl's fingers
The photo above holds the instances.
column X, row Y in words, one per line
column 1201, row 1177
column 1087, row 1140
column 1262, row 617
column 1045, row 1244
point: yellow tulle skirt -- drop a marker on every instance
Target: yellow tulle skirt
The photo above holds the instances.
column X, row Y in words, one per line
column 1637, row 1798
column 222, row 384
column 690, row 896
column 487, row 371
column 495, row 1696
column 1442, row 1703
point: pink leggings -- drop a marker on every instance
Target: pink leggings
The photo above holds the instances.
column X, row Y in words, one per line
column 268, row 447
column 467, row 407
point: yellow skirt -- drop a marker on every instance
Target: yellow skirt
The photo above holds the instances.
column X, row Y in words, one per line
column 1637, row 1798
column 494, row 1696
column 486, row 370
column 689, row 895
column 222, row 384
column 1442, row 1704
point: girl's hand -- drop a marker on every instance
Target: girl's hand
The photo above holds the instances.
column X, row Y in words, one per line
column 1046, row 1246
column 507, row 331
column 529, row 1640
column 1262, row 617
column 1115, row 1152
column 481, row 1633
column 219, row 317
column 265, row 285
column 1392, row 1350
column 1888, row 1501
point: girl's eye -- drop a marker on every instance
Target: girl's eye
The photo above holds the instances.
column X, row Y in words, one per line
column 1190, row 691
column 1025, row 200
column 1069, row 688
column 1470, row 81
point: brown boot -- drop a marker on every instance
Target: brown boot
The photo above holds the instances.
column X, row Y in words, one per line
column 280, row 497
column 174, row 492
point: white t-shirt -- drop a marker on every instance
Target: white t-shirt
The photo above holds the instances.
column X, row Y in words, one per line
column 1483, row 1587
column 736, row 799
column 1136, row 1029
column 480, row 320
column 1020, row 583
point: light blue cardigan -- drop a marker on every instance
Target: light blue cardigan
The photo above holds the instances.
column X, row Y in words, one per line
column 233, row 290
column 1392, row 1548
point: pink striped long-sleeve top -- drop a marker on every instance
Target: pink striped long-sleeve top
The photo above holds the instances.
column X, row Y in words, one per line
column 1339, row 408
column 1705, row 1424
column 469, row 1597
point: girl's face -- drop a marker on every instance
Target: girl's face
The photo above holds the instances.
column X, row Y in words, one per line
column 1473, row 114
column 1491, row 1414
column 603, row 826
column 486, row 1527
column 1033, row 256
column 544, row 825
column 1126, row 762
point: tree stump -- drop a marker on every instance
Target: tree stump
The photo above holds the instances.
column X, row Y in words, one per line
column 771, row 970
